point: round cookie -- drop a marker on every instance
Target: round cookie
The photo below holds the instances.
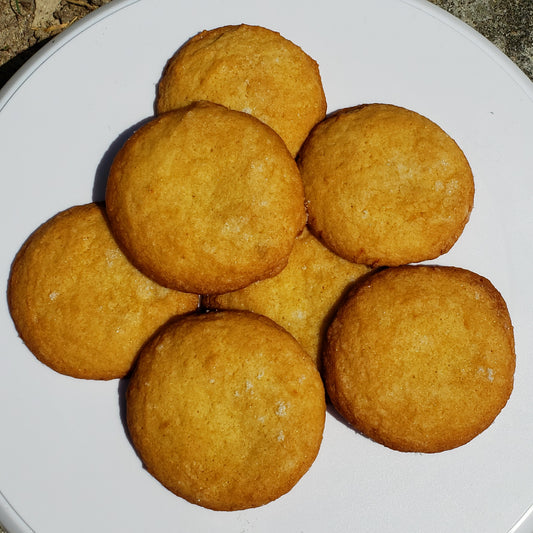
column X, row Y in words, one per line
column 206, row 200
column 226, row 409
column 303, row 296
column 385, row 186
column 77, row 302
column 250, row 69
column 421, row 358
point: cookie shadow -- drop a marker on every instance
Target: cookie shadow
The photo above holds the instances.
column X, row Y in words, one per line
column 326, row 323
column 332, row 412
column 122, row 390
column 104, row 166
column 328, row 319
column 123, row 384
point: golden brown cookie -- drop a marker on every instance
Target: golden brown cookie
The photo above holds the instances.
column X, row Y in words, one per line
column 385, row 185
column 77, row 302
column 226, row 409
column 303, row 296
column 421, row 358
column 250, row 69
column 205, row 199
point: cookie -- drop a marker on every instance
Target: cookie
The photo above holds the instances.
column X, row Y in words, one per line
column 250, row 69
column 226, row 409
column 205, row 199
column 385, row 186
column 78, row 303
column 421, row 358
column 303, row 296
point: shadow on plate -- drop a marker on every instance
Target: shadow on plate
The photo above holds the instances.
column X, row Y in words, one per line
column 8, row 69
column 102, row 171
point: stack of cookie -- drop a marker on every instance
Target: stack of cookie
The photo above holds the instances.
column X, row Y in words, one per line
column 418, row 358
column 251, row 250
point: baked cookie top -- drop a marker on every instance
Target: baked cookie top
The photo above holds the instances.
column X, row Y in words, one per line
column 78, row 303
column 206, row 200
column 421, row 358
column 385, row 186
column 250, row 69
column 226, row 409
column 303, row 296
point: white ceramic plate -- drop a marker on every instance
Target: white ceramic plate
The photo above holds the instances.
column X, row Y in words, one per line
column 65, row 462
